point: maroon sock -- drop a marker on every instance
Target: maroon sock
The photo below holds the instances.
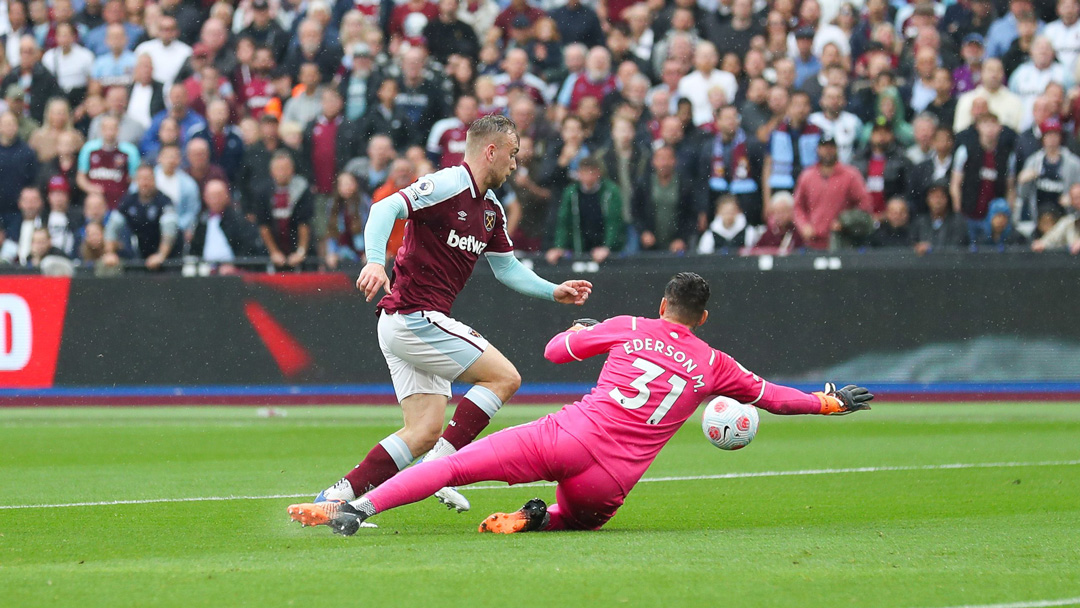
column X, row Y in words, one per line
column 468, row 421
column 377, row 467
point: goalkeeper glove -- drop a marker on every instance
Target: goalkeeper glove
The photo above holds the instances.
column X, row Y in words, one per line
column 581, row 324
column 849, row 399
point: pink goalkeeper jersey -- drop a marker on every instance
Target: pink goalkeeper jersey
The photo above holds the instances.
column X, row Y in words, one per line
column 656, row 375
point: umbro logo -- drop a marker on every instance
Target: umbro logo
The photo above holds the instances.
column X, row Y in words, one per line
column 461, row 215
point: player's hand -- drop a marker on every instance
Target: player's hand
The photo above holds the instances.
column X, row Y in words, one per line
column 849, row 399
column 553, row 255
column 599, row 254
column 573, row 292
column 277, row 258
column 373, row 278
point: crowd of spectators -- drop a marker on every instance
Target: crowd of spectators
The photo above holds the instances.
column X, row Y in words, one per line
column 144, row 131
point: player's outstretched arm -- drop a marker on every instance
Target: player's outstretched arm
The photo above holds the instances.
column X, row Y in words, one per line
column 512, row 273
column 785, row 400
column 735, row 381
column 587, row 339
column 376, row 234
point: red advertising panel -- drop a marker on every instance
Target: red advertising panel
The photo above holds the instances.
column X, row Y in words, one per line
column 31, row 322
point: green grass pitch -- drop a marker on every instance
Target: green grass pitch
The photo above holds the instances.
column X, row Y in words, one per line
column 905, row 531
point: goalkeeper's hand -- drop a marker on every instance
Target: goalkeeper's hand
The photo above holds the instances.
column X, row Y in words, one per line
column 849, row 399
column 581, row 324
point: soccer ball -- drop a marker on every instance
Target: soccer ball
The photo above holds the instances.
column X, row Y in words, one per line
column 728, row 424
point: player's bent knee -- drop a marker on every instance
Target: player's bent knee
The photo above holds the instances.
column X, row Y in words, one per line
column 510, row 380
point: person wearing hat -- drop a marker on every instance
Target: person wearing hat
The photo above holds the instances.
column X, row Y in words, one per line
column 939, row 228
column 1046, row 175
column 998, row 231
column 266, row 31
column 968, row 75
column 62, row 221
column 807, row 64
column 826, row 190
column 1031, row 79
column 15, row 97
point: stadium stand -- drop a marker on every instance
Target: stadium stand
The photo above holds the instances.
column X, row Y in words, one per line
column 674, row 127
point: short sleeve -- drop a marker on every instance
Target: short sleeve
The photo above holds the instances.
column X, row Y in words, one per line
column 500, row 239
column 960, row 159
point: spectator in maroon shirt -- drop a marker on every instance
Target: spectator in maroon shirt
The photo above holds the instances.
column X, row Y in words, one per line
column 329, row 142
column 517, row 8
column 226, row 145
column 285, row 212
column 781, row 235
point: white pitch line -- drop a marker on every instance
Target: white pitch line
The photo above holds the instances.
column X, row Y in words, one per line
column 544, row 484
column 1072, row 601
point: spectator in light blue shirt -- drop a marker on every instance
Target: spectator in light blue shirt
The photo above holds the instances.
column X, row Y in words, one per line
column 116, row 67
column 113, row 14
column 188, row 119
column 807, row 65
column 1003, row 31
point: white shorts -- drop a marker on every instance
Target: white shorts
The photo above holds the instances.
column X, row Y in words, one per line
column 426, row 351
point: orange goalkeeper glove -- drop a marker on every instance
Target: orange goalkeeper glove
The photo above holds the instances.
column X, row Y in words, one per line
column 849, row 399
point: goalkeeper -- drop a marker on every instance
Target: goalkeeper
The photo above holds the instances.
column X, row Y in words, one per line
column 656, row 375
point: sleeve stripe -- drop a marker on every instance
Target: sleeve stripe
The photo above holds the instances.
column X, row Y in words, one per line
column 760, row 395
column 633, row 323
column 569, row 350
column 712, row 358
